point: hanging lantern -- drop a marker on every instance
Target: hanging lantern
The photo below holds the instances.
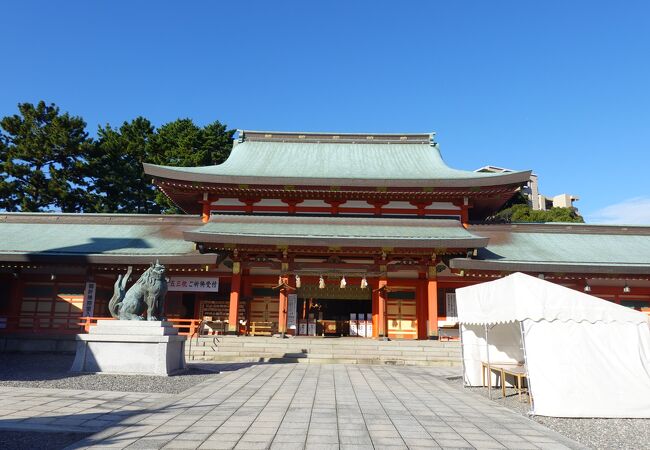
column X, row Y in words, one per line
column 364, row 283
column 297, row 281
column 343, row 283
column 321, row 283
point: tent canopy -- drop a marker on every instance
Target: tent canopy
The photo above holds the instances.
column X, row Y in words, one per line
column 584, row 356
column 518, row 297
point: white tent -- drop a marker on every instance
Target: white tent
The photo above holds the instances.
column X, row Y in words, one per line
column 585, row 357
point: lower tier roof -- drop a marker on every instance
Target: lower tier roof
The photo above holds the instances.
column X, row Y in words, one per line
column 563, row 248
column 98, row 238
column 335, row 231
column 141, row 239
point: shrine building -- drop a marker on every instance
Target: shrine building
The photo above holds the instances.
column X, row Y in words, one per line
column 311, row 234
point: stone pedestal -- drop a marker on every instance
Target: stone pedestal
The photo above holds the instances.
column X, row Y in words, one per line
column 130, row 347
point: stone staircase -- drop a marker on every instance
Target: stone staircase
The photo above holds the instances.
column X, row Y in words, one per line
column 322, row 350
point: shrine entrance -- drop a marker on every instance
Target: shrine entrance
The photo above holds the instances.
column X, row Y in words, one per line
column 332, row 311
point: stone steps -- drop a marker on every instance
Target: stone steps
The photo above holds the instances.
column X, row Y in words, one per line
column 323, row 351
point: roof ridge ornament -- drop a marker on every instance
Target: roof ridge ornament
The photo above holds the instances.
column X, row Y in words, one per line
column 325, row 137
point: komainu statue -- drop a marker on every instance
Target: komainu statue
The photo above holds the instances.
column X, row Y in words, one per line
column 148, row 293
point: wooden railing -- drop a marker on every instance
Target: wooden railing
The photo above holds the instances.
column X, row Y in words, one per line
column 262, row 328
column 186, row 327
column 59, row 324
column 74, row 324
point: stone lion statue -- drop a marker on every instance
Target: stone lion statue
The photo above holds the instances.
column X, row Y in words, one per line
column 148, row 293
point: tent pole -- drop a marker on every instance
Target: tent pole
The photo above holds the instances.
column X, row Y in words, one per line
column 462, row 354
column 489, row 374
column 523, row 348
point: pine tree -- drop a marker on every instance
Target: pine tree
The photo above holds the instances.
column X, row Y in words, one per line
column 43, row 160
column 115, row 167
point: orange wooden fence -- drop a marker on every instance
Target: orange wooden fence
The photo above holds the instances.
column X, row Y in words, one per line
column 73, row 324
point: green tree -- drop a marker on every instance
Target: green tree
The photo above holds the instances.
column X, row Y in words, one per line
column 217, row 141
column 48, row 162
column 115, row 167
column 43, row 160
column 523, row 213
column 182, row 143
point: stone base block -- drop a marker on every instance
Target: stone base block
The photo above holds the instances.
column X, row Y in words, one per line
column 130, row 347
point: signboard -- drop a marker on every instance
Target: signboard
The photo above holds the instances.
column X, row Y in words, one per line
column 302, row 328
column 311, row 329
column 89, row 299
column 353, row 325
column 369, row 325
column 193, row 284
column 292, row 311
column 362, row 328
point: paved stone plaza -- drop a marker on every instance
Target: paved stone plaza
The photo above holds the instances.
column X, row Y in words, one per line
column 79, row 411
column 286, row 406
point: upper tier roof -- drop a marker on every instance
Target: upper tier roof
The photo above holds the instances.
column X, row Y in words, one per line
column 326, row 159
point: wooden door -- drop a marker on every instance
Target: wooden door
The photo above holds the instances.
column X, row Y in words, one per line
column 264, row 315
column 402, row 319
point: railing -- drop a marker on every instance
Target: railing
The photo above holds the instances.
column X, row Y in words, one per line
column 55, row 324
column 186, row 327
column 263, row 328
column 74, row 324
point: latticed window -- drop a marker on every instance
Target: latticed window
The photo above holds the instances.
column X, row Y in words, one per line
column 37, row 304
column 51, row 305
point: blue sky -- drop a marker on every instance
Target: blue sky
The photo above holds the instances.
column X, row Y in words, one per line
column 559, row 87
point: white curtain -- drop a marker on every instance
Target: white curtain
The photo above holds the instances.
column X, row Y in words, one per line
column 505, row 347
column 578, row 369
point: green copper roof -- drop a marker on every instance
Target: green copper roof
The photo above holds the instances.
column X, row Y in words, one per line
column 328, row 159
column 338, row 231
column 108, row 238
column 561, row 248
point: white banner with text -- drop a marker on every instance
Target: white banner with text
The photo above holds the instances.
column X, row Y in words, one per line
column 193, row 284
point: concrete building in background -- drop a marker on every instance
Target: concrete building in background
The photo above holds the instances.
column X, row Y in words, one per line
column 531, row 191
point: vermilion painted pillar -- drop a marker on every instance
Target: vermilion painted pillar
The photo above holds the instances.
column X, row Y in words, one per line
column 421, row 306
column 382, row 295
column 432, row 303
column 205, row 213
column 375, row 308
column 233, row 310
column 282, row 310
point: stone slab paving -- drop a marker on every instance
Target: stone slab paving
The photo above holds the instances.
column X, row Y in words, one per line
column 80, row 411
column 295, row 406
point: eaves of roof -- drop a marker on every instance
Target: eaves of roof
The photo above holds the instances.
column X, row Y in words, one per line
column 547, row 267
column 338, row 231
column 331, row 163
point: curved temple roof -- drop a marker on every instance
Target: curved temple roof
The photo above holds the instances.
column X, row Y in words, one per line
column 564, row 248
column 340, row 231
column 98, row 238
column 320, row 159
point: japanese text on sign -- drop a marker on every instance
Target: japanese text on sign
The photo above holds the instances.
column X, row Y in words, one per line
column 192, row 284
column 89, row 299
column 292, row 307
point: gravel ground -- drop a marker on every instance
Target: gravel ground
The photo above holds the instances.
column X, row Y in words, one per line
column 618, row 434
column 52, row 371
column 20, row 440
